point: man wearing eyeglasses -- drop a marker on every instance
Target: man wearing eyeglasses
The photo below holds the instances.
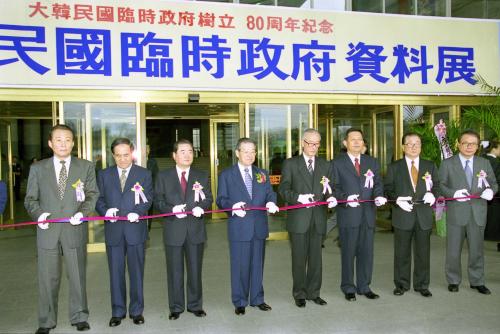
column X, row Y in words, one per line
column 356, row 176
column 413, row 183
column 471, row 181
column 305, row 179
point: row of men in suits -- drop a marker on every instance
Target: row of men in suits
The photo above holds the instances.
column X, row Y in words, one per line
column 56, row 190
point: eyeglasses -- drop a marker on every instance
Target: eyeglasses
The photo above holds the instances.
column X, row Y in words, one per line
column 469, row 145
column 312, row 144
column 413, row 145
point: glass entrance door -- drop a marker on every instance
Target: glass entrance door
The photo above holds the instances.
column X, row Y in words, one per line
column 6, row 174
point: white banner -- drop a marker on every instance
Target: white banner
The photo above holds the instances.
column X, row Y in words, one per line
column 210, row 46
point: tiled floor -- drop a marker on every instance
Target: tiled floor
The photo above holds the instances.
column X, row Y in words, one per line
column 463, row 312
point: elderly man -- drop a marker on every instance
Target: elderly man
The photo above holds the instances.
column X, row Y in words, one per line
column 240, row 186
column 462, row 176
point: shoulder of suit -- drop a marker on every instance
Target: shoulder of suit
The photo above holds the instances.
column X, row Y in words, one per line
column 197, row 171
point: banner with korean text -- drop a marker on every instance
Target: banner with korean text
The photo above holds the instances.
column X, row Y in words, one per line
column 165, row 45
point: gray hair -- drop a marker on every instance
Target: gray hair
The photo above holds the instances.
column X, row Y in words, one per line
column 245, row 140
column 311, row 131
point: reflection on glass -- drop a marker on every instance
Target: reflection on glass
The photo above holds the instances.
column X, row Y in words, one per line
column 374, row 6
column 431, row 7
column 424, row 115
column 385, row 140
column 227, row 137
column 329, row 4
column 258, row 2
column 295, row 3
column 399, row 6
column 108, row 121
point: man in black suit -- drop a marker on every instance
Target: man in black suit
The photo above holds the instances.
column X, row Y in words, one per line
column 120, row 190
column 178, row 189
column 356, row 177
column 492, row 230
column 413, row 183
column 303, row 180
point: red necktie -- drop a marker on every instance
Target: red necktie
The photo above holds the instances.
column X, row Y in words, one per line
column 183, row 183
column 356, row 166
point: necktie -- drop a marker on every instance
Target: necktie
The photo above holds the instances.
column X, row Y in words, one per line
column 357, row 167
column 63, row 177
column 183, row 183
column 310, row 166
column 123, row 179
column 414, row 174
column 468, row 173
column 248, row 182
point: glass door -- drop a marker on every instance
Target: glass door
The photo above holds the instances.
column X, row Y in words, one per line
column 6, row 174
column 383, row 141
column 224, row 136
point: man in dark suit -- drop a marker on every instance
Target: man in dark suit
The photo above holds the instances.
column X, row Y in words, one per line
column 242, row 185
column 492, row 230
column 62, row 186
column 126, row 189
column 413, row 183
column 3, row 196
column 356, row 177
column 303, row 180
column 178, row 189
column 460, row 176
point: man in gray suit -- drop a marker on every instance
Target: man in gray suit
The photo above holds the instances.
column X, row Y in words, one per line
column 306, row 178
column 62, row 186
column 178, row 189
column 413, row 183
column 460, row 176
column 356, row 177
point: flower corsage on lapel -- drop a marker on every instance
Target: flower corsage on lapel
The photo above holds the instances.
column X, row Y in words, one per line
column 80, row 194
column 198, row 191
column 260, row 177
column 139, row 193
column 326, row 185
column 428, row 181
column 369, row 179
column 481, row 179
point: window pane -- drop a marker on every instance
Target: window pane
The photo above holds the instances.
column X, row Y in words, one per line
column 467, row 8
column 295, row 3
column 329, row 4
column 374, row 6
column 493, row 9
column 399, row 6
column 258, row 2
column 431, row 7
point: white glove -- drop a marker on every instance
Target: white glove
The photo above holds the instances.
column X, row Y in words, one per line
column 272, row 208
column 197, row 211
column 332, row 202
column 429, row 198
column 133, row 217
column 75, row 220
column 305, row 198
column 353, row 198
column 111, row 212
column 461, row 193
column 379, row 201
column 487, row 194
column 239, row 213
column 180, row 208
column 402, row 202
column 42, row 218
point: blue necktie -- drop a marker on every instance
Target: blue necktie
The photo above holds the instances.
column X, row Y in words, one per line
column 468, row 173
column 248, row 182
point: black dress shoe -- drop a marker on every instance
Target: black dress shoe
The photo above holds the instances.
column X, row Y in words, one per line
column 482, row 289
column 319, row 301
column 239, row 310
column 398, row 291
column 350, row 297
column 137, row 319
column 453, row 287
column 174, row 315
column 43, row 330
column 115, row 321
column 263, row 307
column 82, row 326
column 371, row 295
column 300, row 302
column 424, row 292
column 198, row 313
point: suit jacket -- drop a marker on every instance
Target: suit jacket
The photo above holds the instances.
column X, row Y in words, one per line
column 168, row 193
column 42, row 195
column 111, row 196
column 296, row 180
column 398, row 183
column 232, row 189
column 346, row 182
column 452, row 178
column 495, row 164
column 3, row 196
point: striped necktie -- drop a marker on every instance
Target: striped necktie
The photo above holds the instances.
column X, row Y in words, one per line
column 468, row 173
column 248, row 182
